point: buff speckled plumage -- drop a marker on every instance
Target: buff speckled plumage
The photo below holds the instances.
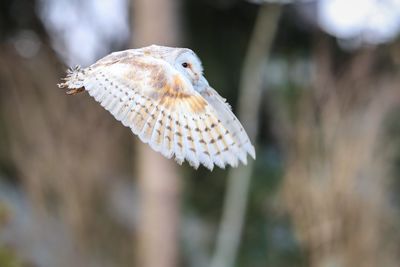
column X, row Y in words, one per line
column 160, row 93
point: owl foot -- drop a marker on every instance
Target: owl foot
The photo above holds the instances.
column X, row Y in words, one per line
column 74, row 91
column 73, row 81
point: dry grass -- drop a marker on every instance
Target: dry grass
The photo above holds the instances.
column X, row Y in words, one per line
column 337, row 177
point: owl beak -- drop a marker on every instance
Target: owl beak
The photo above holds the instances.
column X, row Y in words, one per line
column 201, row 83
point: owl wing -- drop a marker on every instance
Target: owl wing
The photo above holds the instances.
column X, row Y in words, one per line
column 158, row 104
column 224, row 113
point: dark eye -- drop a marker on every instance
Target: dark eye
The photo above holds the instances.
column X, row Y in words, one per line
column 185, row 65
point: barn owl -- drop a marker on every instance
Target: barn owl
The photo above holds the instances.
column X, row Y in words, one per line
column 160, row 93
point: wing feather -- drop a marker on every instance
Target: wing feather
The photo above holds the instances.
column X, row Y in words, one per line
column 168, row 138
column 189, row 149
column 229, row 120
column 162, row 108
column 229, row 151
column 197, row 140
column 215, row 150
column 134, row 114
column 149, row 124
column 158, row 131
column 208, row 148
column 94, row 85
column 127, row 111
column 178, row 140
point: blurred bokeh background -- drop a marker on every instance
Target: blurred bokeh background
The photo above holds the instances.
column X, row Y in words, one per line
column 315, row 83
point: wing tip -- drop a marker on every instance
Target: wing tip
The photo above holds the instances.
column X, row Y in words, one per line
column 252, row 151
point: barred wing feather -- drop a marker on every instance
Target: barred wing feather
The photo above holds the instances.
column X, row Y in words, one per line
column 163, row 110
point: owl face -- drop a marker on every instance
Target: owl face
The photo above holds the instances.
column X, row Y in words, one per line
column 189, row 65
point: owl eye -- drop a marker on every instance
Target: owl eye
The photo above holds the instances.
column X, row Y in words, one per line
column 185, row 65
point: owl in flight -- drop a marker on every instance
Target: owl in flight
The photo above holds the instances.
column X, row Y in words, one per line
column 160, row 93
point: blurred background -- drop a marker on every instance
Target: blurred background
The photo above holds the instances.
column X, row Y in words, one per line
column 315, row 83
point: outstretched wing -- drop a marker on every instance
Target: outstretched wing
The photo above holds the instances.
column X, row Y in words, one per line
column 162, row 108
column 224, row 113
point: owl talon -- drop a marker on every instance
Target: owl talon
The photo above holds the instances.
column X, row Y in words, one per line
column 62, row 85
column 74, row 91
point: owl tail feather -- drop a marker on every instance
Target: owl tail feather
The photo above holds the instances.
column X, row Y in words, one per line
column 74, row 81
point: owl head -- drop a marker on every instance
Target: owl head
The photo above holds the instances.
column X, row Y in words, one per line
column 183, row 60
column 187, row 63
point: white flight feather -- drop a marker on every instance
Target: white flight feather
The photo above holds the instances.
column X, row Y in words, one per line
column 204, row 159
column 201, row 145
column 148, row 126
column 230, row 121
column 134, row 113
column 158, row 131
column 231, row 153
column 168, row 144
column 178, row 150
column 213, row 147
column 217, row 160
column 189, row 154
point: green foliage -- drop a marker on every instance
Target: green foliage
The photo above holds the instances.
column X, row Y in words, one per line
column 8, row 258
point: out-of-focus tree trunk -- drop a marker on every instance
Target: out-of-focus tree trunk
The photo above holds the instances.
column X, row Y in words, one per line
column 235, row 202
column 156, row 22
